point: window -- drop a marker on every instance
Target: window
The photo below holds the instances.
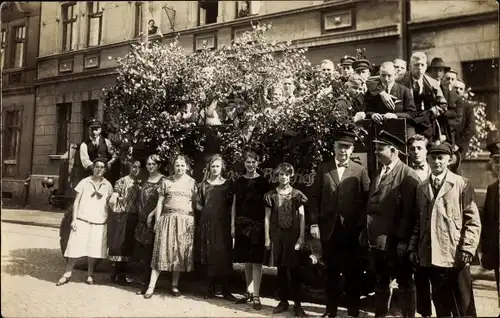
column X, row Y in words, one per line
column 208, row 10
column 11, row 134
column 3, row 45
column 19, row 46
column 69, row 26
column 95, row 23
column 63, row 120
column 138, row 19
column 89, row 111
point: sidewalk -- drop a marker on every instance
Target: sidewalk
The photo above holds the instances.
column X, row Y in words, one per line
column 32, row 217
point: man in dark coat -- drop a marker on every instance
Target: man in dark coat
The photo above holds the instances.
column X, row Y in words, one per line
column 390, row 221
column 465, row 128
column 490, row 238
column 337, row 217
column 404, row 106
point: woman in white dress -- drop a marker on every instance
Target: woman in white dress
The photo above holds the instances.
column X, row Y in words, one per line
column 88, row 236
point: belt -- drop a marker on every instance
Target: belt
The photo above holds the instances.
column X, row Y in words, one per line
column 90, row 222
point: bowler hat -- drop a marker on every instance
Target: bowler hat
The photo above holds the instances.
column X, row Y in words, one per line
column 347, row 60
column 361, row 64
column 345, row 137
column 386, row 138
column 438, row 62
column 94, row 123
column 442, row 148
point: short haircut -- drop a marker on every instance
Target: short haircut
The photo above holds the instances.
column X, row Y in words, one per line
column 399, row 60
column 418, row 137
column 251, row 155
column 285, row 167
column 387, row 65
column 417, row 56
column 326, row 61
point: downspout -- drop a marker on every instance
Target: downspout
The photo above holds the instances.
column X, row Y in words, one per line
column 405, row 7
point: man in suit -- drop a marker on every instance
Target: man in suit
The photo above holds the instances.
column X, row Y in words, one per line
column 390, row 223
column 466, row 127
column 337, row 217
column 417, row 150
column 427, row 95
column 447, row 84
column 489, row 235
column 437, row 69
column 404, row 107
column 446, row 235
column 400, row 66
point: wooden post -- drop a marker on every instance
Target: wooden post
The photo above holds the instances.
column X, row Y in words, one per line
column 144, row 21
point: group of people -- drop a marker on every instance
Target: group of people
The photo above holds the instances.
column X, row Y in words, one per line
column 418, row 223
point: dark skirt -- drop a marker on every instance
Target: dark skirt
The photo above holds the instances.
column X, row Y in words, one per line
column 283, row 251
column 213, row 247
column 249, row 242
column 121, row 228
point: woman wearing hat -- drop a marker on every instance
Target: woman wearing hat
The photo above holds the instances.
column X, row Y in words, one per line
column 88, row 236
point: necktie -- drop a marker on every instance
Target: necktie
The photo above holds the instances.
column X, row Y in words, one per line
column 383, row 176
column 416, row 87
column 436, row 184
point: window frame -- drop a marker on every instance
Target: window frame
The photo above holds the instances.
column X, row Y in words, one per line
column 138, row 19
column 3, row 47
column 18, row 128
column 17, row 40
column 94, row 14
column 200, row 2
column 68, row 22
column 62, row 126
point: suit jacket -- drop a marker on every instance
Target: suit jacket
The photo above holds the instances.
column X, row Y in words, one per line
column 432, row 96
column 490, row 230
column 448, row 222
column 404, row 109
column 390, row 218
column 333, row 200
column 466, row 127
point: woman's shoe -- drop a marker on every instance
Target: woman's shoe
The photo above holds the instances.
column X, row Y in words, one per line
column 245, row 299
column 149, row 293
column 175, row 292
column 63, row 280
column 90, row 280
column 256, row 303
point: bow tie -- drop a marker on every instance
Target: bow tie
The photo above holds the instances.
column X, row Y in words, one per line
column 419, row 167
column 342, row 164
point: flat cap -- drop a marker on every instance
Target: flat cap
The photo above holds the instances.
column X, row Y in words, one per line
column 347, row 60
column 443, row 148
column 94, row 123
column 386, row 138
column 361, row 64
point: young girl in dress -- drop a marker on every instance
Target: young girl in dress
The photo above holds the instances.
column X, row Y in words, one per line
column 213, row 228
column 247, row 226
column 284, row 235
column 174, row 227
column 89, row 229
column 122, row 220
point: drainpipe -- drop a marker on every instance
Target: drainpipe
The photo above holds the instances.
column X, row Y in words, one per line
column 405, row 9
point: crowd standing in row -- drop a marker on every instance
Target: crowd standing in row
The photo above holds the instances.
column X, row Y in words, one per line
column 419, row 223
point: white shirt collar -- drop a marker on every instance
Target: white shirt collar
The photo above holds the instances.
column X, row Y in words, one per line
column 439, row 177
column 391, row 165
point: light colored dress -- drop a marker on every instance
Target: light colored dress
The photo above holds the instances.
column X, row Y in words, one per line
column 173, row 244
column 90, row 237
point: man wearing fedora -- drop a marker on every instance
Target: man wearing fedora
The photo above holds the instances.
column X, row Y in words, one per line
column 489, row 235
column 446, row 235
column 437, row 69
column 96, row 146
column 447, row 84
column 389, row 224
column 337, row 217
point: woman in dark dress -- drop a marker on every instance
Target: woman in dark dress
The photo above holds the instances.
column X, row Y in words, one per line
column 213, row 228
column 122, row 220
column 247, row 226
column 284, row 235
column 144, row 235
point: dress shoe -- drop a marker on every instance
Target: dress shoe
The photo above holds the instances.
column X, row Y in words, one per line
column 299, row 311
column 256, row 303
column 63, row 280
column 175, row 292
column 282, row 306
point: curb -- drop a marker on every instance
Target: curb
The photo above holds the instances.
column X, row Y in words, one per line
column 54, row 226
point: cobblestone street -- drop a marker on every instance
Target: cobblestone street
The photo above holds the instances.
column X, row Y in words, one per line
column 32, row 263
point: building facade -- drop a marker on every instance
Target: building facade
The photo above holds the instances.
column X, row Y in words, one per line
column 19, row 51
column 80, row 41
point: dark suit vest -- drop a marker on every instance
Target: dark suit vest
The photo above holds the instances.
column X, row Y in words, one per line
column 426, row 97
column 100, row 151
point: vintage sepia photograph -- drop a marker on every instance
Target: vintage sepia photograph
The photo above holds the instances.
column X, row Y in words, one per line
column 322, row 158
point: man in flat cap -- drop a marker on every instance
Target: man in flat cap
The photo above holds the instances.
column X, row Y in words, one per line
column 490, row 225
column 446, row 234
column 437, row 69
column 346, row 64
column 337, row 217
column 362, row 68
column 390, row 223
column 96, row 146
